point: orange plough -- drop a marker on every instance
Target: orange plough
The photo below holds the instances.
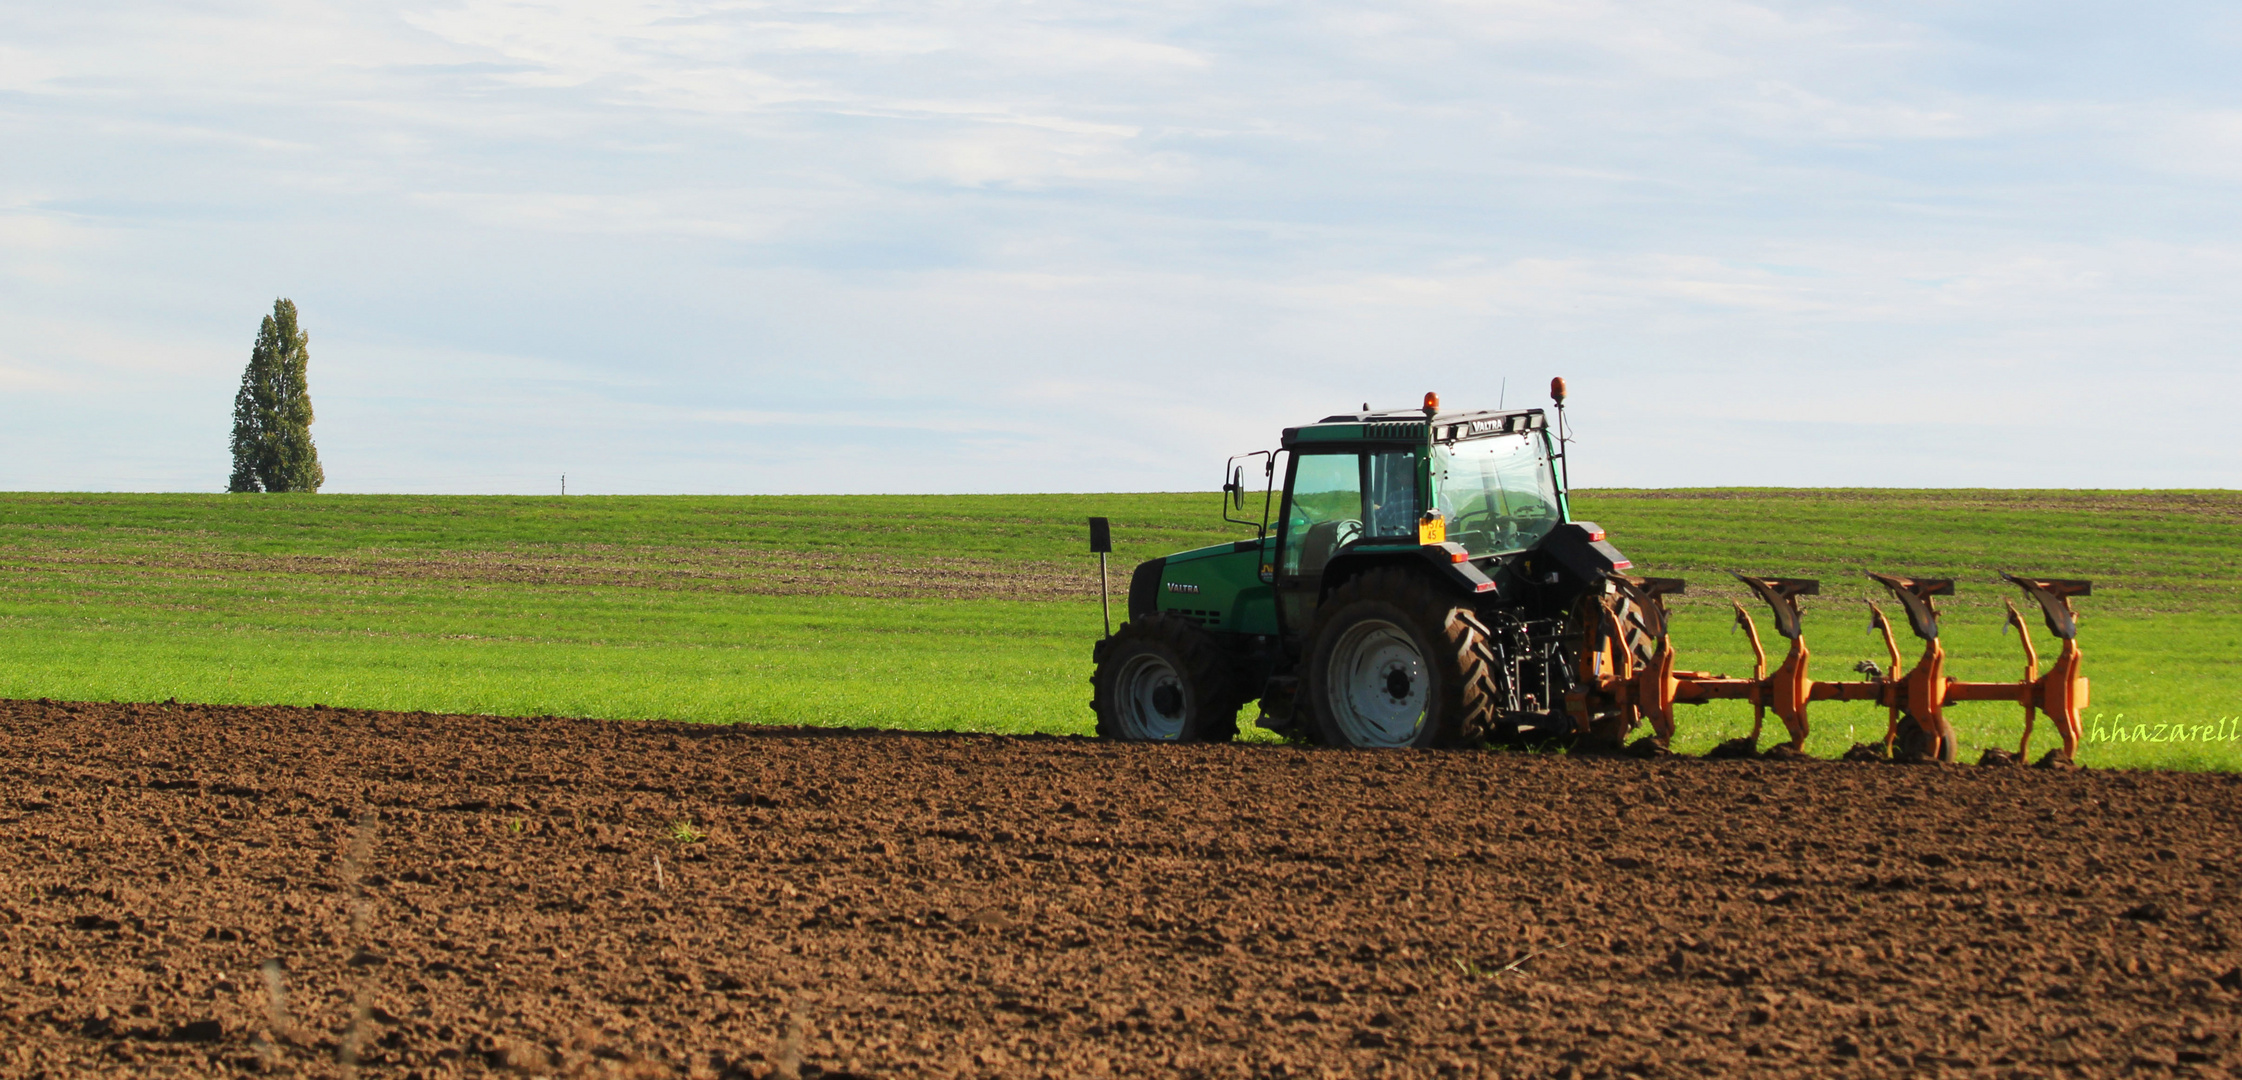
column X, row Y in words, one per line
column 1621, row 688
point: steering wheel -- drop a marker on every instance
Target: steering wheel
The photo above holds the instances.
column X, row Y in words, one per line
column 1502, row 531
column 1484, row 511
column 1536, row 510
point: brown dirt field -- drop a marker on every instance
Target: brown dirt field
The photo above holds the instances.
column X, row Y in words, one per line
column 465, row 896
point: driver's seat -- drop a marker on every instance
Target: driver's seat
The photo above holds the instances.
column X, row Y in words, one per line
column 1323, row 540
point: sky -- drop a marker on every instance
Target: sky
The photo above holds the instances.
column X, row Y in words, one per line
column 713, row 247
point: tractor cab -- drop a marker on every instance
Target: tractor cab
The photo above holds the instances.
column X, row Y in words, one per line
column 1362, row 488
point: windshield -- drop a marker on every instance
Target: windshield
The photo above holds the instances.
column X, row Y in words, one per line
column 1497, row 493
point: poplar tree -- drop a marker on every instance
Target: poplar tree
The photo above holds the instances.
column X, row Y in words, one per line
column 272, row 443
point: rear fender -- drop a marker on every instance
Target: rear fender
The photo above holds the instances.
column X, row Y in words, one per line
column 1578, row 550
column 1436, row 561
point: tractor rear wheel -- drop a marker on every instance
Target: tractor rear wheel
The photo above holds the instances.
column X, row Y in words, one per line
column 1394, row 661
column 1633, row 629
column 1162, row 679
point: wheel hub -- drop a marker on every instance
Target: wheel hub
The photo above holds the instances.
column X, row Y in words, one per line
column 1377, row 685
column 1167, row 700
column 1150, row 698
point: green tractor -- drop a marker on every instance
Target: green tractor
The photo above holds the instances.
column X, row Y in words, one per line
column 1422, row 584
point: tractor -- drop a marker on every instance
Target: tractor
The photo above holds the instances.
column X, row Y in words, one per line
column 1422, row 584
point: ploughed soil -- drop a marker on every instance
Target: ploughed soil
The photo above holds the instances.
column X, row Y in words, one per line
column 201, row 890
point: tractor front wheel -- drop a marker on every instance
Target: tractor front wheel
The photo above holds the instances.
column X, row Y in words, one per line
column 1393, row 661
column 1163, row 679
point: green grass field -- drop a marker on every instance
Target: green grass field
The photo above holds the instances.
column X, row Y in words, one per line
column 977, row 612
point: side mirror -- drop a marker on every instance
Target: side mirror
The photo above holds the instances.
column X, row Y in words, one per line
column 1234, row 486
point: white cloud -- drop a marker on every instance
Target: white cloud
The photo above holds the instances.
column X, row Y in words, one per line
column 2203, row 143
column 26, row 379
column 26, row 70
column 698, row 214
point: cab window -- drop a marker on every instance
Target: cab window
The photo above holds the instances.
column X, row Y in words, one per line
column 1338, row 499
column 1324, row 512
column 1389, row 488
column 1498, row 493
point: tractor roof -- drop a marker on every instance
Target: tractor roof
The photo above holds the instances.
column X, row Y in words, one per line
column 1408, row 426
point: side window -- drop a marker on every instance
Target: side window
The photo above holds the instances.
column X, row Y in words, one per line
column 1389, row 480
column 1325, row 511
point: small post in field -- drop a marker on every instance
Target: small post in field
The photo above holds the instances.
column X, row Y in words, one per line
column 1101, row 541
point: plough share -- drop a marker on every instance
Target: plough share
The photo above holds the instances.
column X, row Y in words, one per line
column 1620, row 688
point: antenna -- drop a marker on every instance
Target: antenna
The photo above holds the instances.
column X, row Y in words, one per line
column 1504, row 394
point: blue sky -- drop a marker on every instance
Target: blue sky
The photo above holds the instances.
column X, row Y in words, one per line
column 744, row 247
